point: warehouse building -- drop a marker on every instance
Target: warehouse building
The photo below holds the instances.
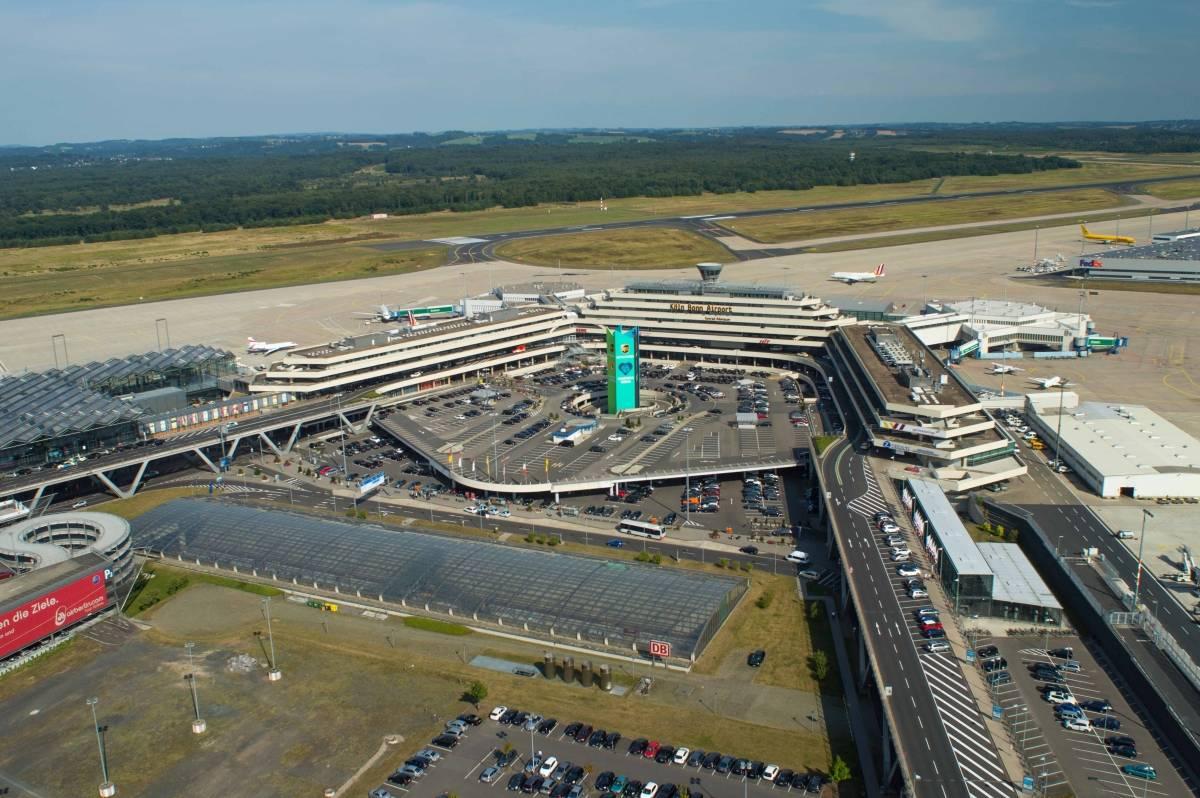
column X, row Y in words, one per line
column 1169, row 257
column 1117, row 450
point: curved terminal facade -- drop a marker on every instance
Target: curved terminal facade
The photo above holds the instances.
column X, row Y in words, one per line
column 705, row 319
column 37, row 543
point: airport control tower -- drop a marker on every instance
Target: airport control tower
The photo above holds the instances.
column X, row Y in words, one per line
column 624, row 381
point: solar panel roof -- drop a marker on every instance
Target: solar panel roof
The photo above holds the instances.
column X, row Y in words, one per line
column 596, row 598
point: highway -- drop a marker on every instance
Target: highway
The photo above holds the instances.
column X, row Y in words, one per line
column 941, row 738
column 482, row 248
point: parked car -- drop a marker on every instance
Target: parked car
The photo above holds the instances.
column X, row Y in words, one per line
column 756, row 658
column 489, row 775
column 1140, row 771
column 497, row 713
column 638, row 746
column 987, row 652
column 1096, row 705
column 665, row 752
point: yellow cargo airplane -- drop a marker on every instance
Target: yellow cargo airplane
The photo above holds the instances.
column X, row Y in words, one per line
column 1104, row 239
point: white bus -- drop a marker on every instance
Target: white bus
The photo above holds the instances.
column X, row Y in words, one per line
column 642, row 529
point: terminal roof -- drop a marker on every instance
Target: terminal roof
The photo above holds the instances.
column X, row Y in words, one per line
column 1181, row 249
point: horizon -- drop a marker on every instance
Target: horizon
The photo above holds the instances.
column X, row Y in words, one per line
column 113, row 71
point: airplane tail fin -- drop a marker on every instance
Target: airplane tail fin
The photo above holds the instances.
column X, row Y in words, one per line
column 412, row 320
column 1083, row 227
column 881, row 270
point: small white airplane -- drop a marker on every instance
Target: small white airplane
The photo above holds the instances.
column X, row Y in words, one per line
column 1051, row 382
column 1000, row 368
column 850, row 278
column 265, row 348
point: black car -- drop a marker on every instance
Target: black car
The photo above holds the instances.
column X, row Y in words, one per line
column 664, row 754
column 696, row 758
column 400, row 779
column 632, row 789
column 610, row 742
column 574, row 776
column 519, row 719
column 532, row 784
column 756, row 770
column 1127, row 751
column 547, row 726
column 668, row 790
column 711, row 760
column 1106, row 722
column 605, row 780
column 1066, row 652
column 815, row 782
column 572, row 730
column 986, row 652
column 800, row 781
column 749, row 549
column 446, row 741
column 507, row 718
column 996, row 664
column 739, row 767
column 583, row 734
column 784, row 778
column 470, row 720
column 756, row 658
column 514, row 781
column 597, row 739
column 503, row 759
column 638, row 746
column 1120, row 739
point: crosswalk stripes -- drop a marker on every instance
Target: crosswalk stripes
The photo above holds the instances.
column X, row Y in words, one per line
column 829, row 579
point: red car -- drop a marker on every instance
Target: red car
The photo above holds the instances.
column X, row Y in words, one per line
column 928, row 624
column 652, row 749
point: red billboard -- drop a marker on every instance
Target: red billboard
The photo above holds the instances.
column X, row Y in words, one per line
column 660, row 648
column 53, row 611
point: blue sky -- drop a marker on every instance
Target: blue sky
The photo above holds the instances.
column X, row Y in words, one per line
column 82, row 70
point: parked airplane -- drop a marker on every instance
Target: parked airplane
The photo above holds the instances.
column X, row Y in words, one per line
column 1051, row 382
column 850, row 278
column 1105, row 239
column 1000, row 368
column 265, row 348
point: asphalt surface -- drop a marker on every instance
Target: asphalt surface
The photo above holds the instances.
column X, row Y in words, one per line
column 483, row 249
column 942, row 738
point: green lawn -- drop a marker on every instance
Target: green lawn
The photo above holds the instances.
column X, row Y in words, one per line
column 646, row 248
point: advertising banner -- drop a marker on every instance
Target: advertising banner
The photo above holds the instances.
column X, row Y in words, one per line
column 371, row 482
column 53, row 611
column 623, row 379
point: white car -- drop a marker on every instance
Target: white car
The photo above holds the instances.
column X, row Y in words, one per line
column 901, row 550
column 497, row 713
column 681, row 755
column 1058, row 697
column 918, row 592
column 770, row 772
column 548, row 767
column 649, row 790
column 501, row 513
column 809, row 573
column 798, row 557
column 616, row 438
column 78, row 504
column 1077, row 724
column 900, row 556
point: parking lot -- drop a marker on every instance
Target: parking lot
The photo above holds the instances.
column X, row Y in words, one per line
column 460, row 769
column 1084, row 758
column 505, row 435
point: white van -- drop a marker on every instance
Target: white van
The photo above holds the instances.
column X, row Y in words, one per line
column 1125, row 534
column 798, row 557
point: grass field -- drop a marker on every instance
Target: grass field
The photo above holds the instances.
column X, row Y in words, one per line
column 159, row 582
column 1179, row 189
column 44, row 285
column 1139, row 286
column 798, row 226
column 645, row 248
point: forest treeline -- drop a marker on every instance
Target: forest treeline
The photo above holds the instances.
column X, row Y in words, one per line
column 73, row 194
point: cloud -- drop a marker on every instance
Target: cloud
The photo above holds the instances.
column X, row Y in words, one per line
column 931, row 20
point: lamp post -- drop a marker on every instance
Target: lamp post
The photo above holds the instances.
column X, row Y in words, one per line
column 107, row 788
column 1058, row 434
column 198, row 723
column 1137, row 584
column 687, row 478
column 274, row 674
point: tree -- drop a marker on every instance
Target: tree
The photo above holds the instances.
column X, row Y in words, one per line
column 820, row 663
column 476, row 693
column 839, row 771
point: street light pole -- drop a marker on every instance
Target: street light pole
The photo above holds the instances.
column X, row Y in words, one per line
column 687, row 479
column 107, row 788
column 1137, row 585
column 274, row 674
column 198, row 723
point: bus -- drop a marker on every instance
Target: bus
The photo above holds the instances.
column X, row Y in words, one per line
column 642, row 529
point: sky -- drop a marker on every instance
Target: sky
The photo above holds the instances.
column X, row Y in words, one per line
column 87, row 70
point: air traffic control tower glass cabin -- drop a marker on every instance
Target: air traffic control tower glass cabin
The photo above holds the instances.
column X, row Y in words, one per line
column 624, row 380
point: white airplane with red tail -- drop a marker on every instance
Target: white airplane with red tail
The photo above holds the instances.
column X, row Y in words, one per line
column 850, row 278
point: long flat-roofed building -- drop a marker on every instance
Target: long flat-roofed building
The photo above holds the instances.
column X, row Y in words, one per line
column 915, row 407
column 1170, row 257
column 1117, row 450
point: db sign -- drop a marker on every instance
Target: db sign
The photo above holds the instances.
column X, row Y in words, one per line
column 660, row 648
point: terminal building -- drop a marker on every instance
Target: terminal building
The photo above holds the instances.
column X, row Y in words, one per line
column 1117, row 450
column 62, row 415
column 1169, row 257
column 676, row 320
column 915, row 407
column 993, row 580
column 993, row 328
